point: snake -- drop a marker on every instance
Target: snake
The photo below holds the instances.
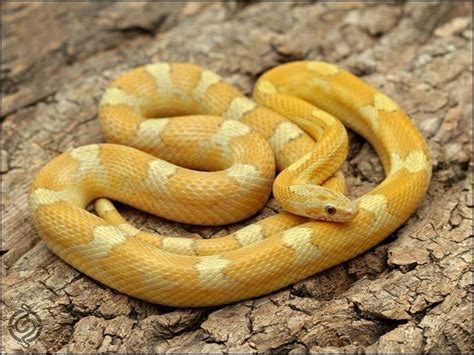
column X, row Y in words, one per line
column 185, row 145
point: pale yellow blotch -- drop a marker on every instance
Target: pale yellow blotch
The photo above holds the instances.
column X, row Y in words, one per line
column 207, row 79
column 86, row 153
column 299, row 239
column 303, row 190
column 300, row 162
column 159, row 173
column 320, row 83
column 210, row 271
column 43, row 196
column 116, row 96
column 284, row 132
column 183, row 246
column 324, row 116
column 414, row 162
column 238, row 108
column 323, row 68
column 373, row 202
column 249, row 235
column 226, row 132
column 372, row 115
column 104, row 238
column 318, row 132
column 128, row 228
column 161, row 73
column 266, row 87
column 377, row 205
column 417, row 161
column 89, row 161
column 384, row 103
column 229, row 130
column 244, row 174
column 149, row 131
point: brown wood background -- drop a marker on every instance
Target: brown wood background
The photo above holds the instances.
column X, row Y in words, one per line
column 409, row 294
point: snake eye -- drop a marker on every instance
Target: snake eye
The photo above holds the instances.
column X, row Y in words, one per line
column 330, row 210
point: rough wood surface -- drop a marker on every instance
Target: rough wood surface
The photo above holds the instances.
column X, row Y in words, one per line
column 411, row 293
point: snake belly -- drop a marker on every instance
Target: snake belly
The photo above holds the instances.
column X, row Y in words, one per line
column 262, row 257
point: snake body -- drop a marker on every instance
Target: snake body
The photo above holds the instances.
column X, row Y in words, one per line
column 220, row 160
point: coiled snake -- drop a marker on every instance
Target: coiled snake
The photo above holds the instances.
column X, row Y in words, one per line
column 220, row 163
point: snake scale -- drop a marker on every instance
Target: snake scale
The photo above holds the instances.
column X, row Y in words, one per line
column 187, row 146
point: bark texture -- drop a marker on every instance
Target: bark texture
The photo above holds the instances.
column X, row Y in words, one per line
column 411, row 293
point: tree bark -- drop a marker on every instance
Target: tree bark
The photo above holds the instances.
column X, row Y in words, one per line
column 411, row 293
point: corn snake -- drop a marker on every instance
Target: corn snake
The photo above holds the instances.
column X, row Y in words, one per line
column 225, row 179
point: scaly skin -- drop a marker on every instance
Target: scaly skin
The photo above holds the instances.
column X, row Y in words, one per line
column 259, row 258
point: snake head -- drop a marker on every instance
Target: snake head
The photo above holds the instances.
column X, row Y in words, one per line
column 320, row 203
column 341, row 213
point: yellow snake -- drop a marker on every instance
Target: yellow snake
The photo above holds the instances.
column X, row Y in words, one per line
column 220, row 163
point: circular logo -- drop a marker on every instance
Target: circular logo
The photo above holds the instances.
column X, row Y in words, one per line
column 25, row 326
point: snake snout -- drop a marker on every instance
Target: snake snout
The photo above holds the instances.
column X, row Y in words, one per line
column 345, row 212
